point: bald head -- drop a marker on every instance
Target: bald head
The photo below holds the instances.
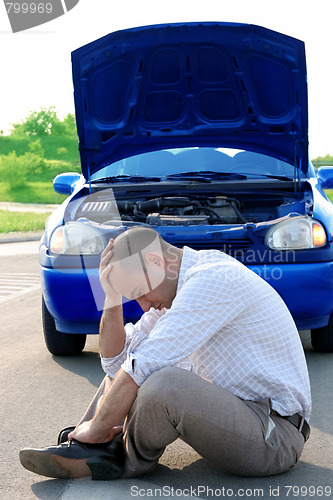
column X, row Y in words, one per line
column 142, row 261
column 138, row 241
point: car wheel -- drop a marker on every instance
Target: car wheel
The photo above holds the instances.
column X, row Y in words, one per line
column 322, row 338
column 58, row 343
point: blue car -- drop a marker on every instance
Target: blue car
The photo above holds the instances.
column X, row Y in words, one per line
column 200, row 131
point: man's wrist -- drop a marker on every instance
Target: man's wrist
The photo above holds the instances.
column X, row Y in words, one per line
column 112, row 335
column 112, row 304
column 98, row 429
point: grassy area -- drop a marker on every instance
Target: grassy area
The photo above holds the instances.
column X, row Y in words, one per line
column 55, row 147
column 329, row 193
column 60, row 155
column 39, row 187
column 21, row 221
column 33, row 192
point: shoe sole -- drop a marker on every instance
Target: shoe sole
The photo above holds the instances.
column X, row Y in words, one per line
column 49, row 465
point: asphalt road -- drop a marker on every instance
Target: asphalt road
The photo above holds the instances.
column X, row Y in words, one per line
column 40, row 394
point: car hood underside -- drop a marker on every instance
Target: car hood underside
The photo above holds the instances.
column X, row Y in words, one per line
column 195, row 84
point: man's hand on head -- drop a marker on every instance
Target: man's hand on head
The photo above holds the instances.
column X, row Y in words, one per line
column 112, row 297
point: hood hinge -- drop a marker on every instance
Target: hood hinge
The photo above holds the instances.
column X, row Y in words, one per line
column 89, row 178
column 297, row 162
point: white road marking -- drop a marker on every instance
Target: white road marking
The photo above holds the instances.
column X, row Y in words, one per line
column 15, row 284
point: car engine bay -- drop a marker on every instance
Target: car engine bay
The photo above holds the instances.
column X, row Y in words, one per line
column 192, row 210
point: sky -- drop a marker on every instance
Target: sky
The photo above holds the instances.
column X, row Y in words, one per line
column 36, row 63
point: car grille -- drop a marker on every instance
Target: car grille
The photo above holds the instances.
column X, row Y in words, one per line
column 235, row 248
column 239, row 249
column 98, row 211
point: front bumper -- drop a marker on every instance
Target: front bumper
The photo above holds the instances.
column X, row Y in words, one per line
column 307, row 290
column 74, row 296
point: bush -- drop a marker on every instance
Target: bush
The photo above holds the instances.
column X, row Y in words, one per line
column 13, row 170
column 40, row 123
column 323, row 160
column 62, row 151
column 16, row 169
column 36, row 147
column 44, row 123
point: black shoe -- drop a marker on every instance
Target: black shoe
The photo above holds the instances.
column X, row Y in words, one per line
column 63, row 434
column 73, row 459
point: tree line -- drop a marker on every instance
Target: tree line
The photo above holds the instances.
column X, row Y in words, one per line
column 45, row 122
column 16, row 169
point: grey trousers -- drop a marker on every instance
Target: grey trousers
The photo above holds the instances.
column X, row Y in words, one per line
column 236, row 436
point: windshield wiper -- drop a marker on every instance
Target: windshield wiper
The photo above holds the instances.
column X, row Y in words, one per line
column 279, row 177
column 207, row 176
column 127, row 178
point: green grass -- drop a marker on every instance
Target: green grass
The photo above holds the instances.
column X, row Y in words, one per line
column 39, row 187
column 21, row 221
column 329, row 193
column 50, row 144
column 32, row 192
column 61, row 155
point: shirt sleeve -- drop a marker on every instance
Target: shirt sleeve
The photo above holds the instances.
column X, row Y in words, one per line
column 135, row 334
column 201, row 308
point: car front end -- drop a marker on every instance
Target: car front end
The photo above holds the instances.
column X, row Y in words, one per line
column 200, row 132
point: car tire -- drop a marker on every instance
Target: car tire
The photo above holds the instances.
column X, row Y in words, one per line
column 322, row 338
column 58, row 343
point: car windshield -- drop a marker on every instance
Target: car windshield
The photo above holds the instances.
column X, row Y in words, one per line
column 197, row 160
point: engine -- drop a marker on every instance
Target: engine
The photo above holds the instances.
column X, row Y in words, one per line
column 167, row 211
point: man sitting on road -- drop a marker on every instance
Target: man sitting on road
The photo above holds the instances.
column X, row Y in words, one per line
column 215, row 360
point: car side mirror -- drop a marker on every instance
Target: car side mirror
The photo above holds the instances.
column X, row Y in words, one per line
column 65, row 183
column 325, row 175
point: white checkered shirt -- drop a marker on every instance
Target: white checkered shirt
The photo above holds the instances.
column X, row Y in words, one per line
column 227, row 325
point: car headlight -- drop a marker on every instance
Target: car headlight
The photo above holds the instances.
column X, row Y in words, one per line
column 297, row 233
column 75, row 238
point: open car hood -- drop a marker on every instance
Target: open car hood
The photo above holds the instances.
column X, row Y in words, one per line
column 194, row 84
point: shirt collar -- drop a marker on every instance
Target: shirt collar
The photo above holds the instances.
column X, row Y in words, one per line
column 189, row 258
